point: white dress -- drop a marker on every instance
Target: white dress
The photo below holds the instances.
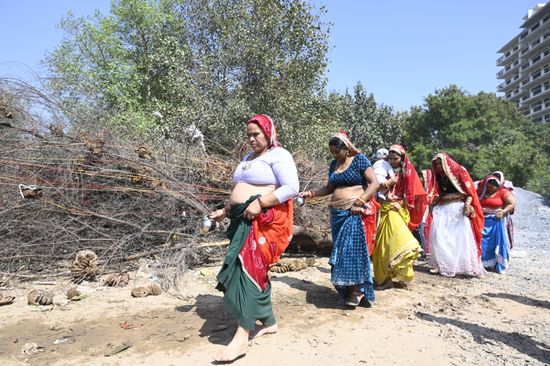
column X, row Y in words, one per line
column 453, row 245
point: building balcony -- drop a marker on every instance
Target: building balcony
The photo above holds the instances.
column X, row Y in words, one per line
column 535, row 61
column 534, row 30
column 536, row 45
column 539, row 110
column 510, row 83
column 504, row 73
column 508, row 56
column 508, row 70
column 515, row 96
column 535, row 97
column 529, row 82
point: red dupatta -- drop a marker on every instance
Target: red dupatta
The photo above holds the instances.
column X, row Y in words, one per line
column 267, row 126
column 429, row 186
column 414, row 193
column 461, row 180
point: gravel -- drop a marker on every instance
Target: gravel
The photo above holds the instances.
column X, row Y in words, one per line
column 532, row 222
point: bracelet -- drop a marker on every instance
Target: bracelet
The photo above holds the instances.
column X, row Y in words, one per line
column 260, row 201
column 468, row 200
column 312, row 194
column 361, row 201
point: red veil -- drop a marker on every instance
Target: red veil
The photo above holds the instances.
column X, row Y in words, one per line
column 414, row 193
column 429, row 186
column 268, row 127
column 461, row 180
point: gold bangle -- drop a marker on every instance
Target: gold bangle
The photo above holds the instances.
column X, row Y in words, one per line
column 361, row 201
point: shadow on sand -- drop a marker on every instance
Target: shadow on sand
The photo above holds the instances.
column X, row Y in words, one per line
column 521, row 299
column 320, row 296
column 218, row 325
column 521, row 342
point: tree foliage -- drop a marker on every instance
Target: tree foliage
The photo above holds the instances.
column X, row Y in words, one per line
column 482, row 132
column 208, row 63
column 156, row 67
column 372, row 126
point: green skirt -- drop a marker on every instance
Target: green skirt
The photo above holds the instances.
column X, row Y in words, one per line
column 242, row 298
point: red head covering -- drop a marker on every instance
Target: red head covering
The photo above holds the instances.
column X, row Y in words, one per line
column 461, row 180
column 482, row 185
column 267, row 126
column 414, row 192
column 429, row 186
column 343, row 135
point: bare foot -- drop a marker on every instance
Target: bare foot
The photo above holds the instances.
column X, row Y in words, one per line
column 231, row 352
column 262, row 329
column 236, row 348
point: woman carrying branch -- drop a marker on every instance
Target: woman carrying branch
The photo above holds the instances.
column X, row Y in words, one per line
column 260, row 209
column 352, row 183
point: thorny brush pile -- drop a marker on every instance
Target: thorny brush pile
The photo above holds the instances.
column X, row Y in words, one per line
column 89, row 189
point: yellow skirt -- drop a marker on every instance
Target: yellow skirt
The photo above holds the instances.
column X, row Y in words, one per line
column 396, row 248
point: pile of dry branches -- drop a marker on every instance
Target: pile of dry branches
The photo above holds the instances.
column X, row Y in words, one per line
column 61, row 193
column 65, row 189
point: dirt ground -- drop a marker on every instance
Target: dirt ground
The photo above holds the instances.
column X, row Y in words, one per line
column 495, row 320
column 438, row 321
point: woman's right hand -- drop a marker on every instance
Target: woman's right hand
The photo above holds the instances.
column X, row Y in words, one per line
column 396, row 206
column 306, row 194
column 218, row 215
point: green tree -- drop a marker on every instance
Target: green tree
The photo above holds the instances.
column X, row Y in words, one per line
column 371, row 125
column 482, row 132
column 211, row 63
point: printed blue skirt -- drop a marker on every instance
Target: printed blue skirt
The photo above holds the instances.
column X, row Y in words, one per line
column 350, row 257
column 494, row 245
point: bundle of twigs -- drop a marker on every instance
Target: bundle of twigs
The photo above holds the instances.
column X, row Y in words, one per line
column 66, row 188
column 61, row 193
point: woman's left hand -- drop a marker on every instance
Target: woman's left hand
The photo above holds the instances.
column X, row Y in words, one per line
column 252, row 210
column 467, row 209
column 367, row 209
column 499, row 214
column 357, row 210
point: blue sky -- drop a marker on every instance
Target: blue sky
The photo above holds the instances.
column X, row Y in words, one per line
column 400, row 50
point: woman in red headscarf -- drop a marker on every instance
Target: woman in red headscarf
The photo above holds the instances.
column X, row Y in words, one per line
column 260, row 209
column 402, row 211
column 497, row 202
column 457, row 224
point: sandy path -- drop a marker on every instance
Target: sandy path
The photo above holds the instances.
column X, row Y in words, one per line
column 497, row 320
